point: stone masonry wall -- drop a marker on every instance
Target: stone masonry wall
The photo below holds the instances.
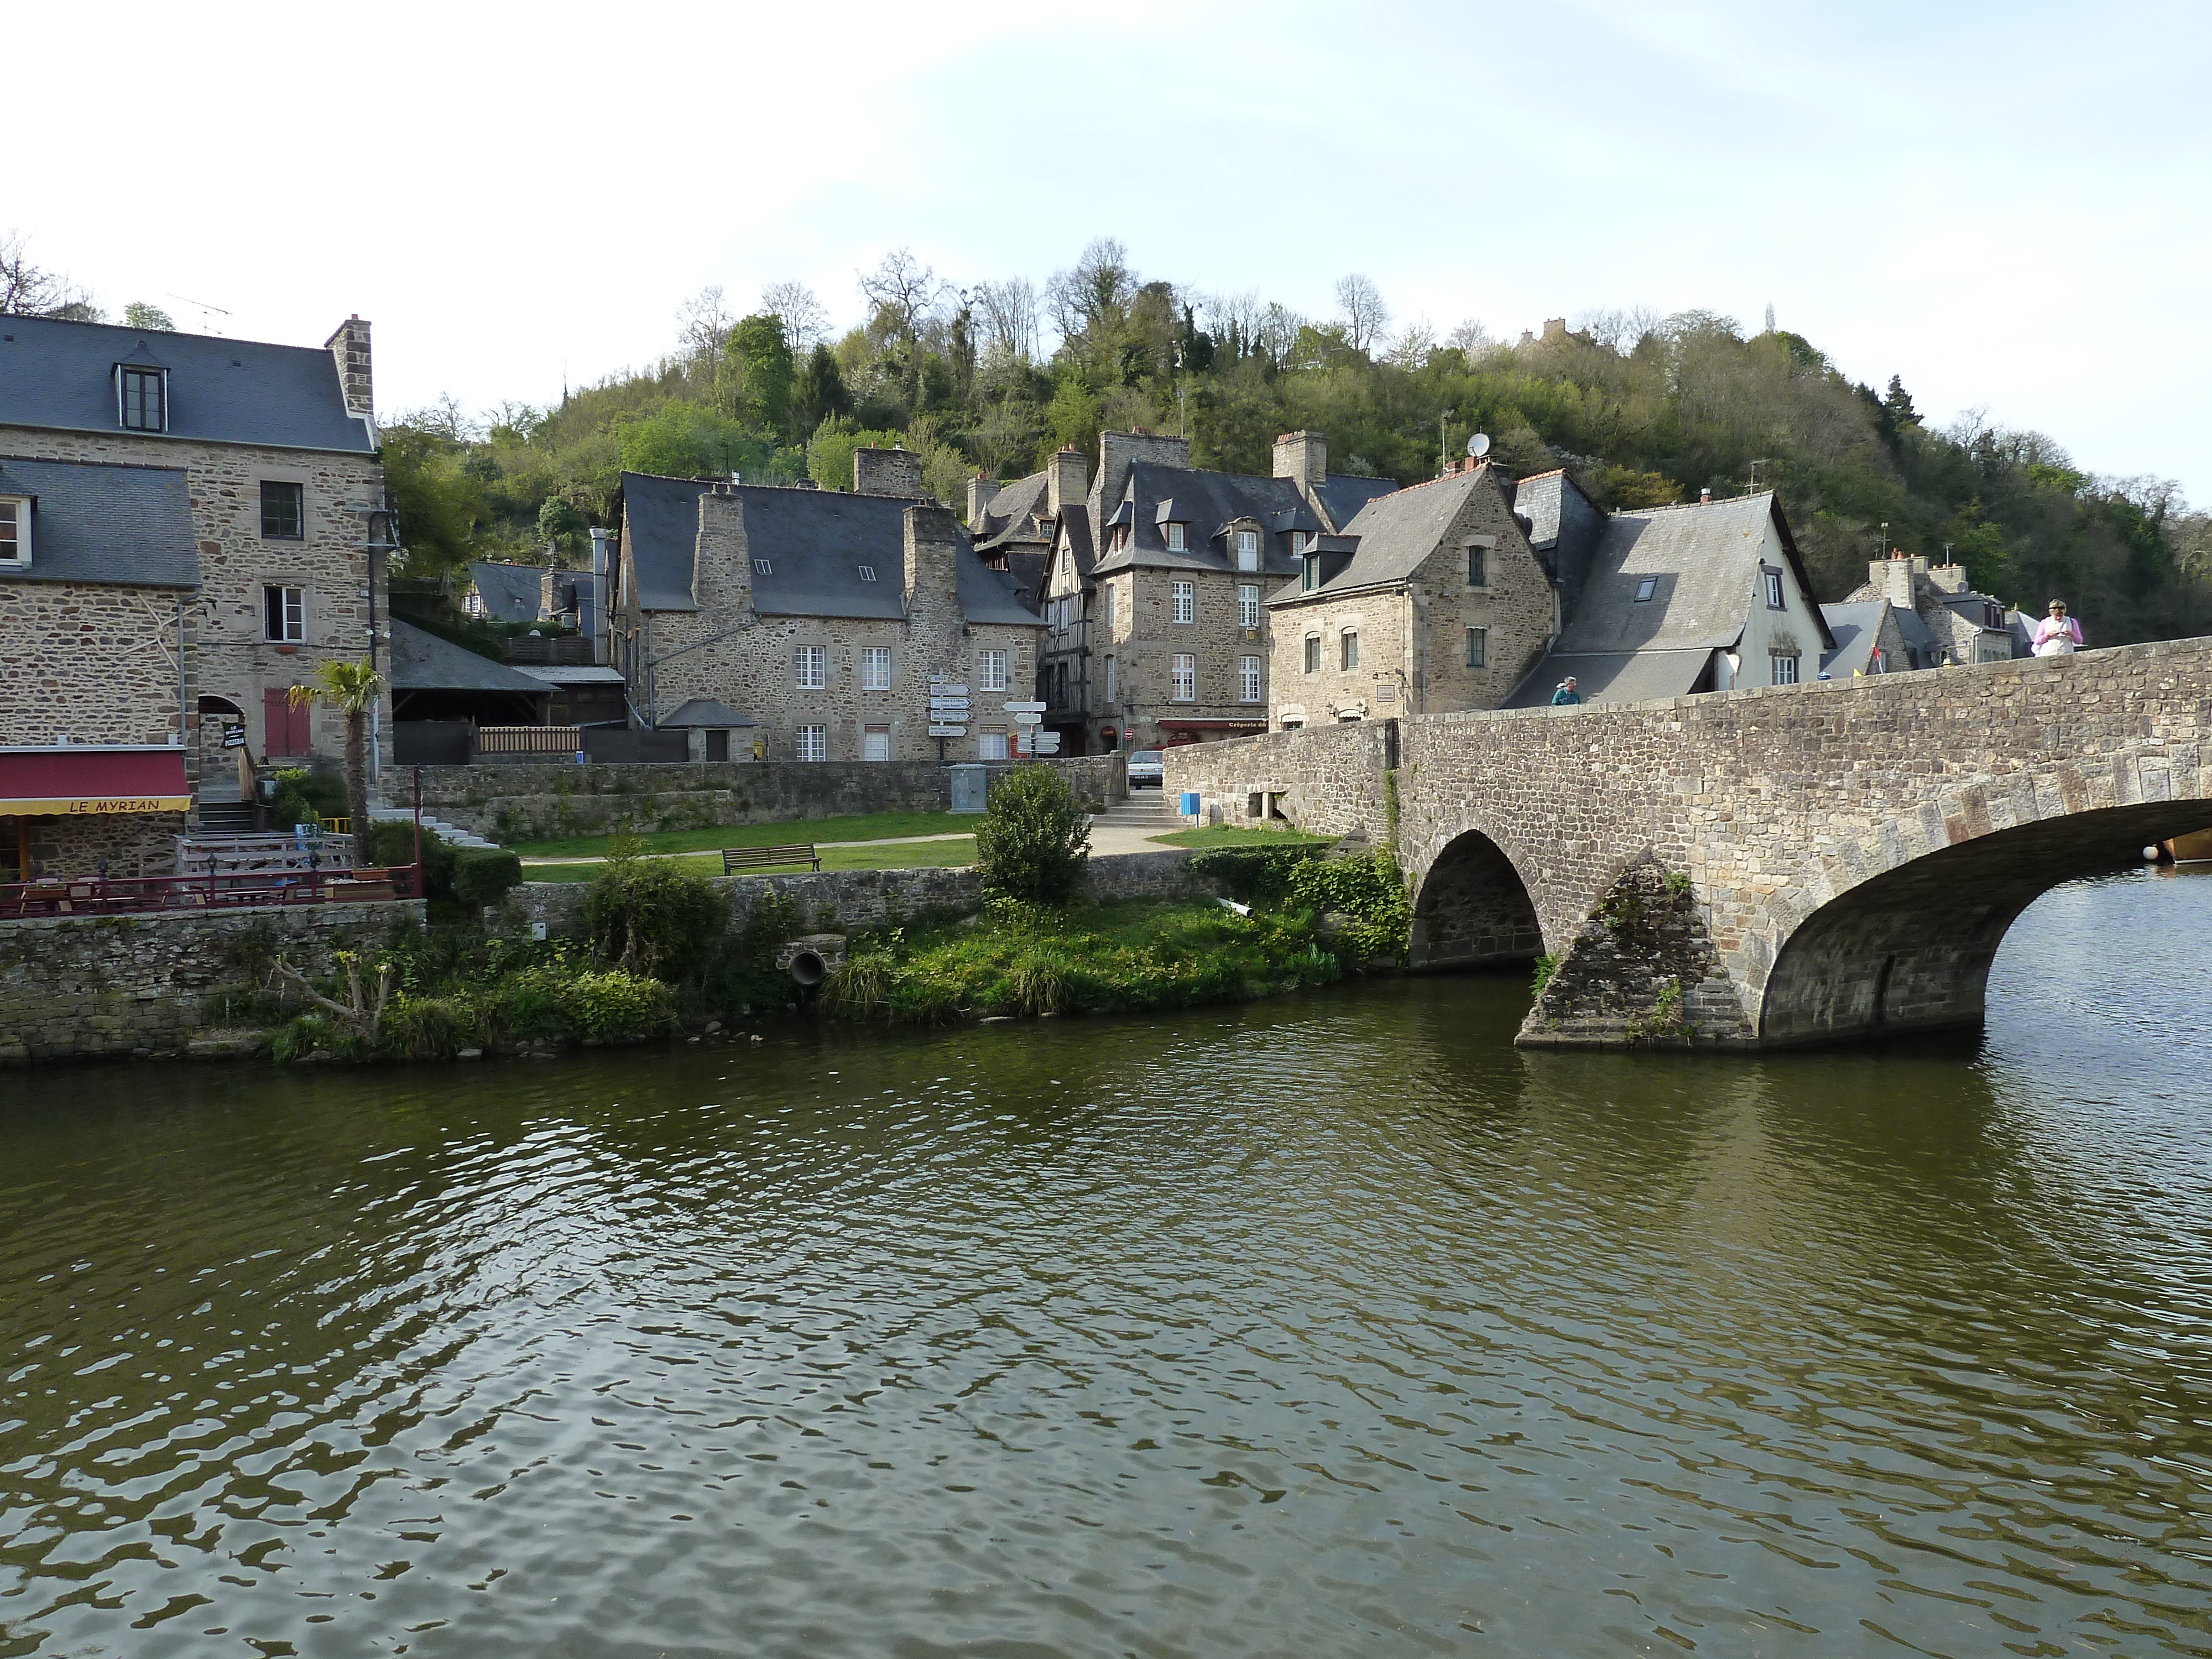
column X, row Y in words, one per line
column 1330, row 778
column 72, row 987
column 97, row 662
column 520, row 803
column 230, row 657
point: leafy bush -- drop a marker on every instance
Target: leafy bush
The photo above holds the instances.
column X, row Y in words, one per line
column 1035, row 840
column 613, row 1007
column 647, row 916
column 390, row 844
column 307, row 796
column 482, row 875
column 1370, row 891
column 1258, row 875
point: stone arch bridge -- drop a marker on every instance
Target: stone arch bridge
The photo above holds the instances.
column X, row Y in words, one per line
column 1754, row 869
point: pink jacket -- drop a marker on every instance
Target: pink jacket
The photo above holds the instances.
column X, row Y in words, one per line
column 2051, row 629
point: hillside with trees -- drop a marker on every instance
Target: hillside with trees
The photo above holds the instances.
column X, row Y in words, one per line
column 993, row 377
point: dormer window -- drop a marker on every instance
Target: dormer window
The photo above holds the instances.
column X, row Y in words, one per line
column 1298, row 540
column 15, row 532
column 868, row 572
column 145, row 396
column 1645, row 587
column 1174, row 537
column 1309, row 576
column 1247, row 549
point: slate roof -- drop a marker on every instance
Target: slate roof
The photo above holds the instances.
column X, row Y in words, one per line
column 61, row 374
column 814, row 542
column 1919, row 638
column 1613, row 677
column 1346, row 493
column 511, row 592
column 1395, row 532
column 422, row 661
column 1010, row 515
column 1857, row 628
column 1204, row 503
column 1075, row 521
column 706, row 712
column 1706, row 558
column 94, row 523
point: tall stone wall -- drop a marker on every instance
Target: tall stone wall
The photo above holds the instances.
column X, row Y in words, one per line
column 1327, row 780
column 522, row 803
column 74, row 987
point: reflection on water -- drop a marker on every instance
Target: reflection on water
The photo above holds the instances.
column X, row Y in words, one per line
column 1328, row 1325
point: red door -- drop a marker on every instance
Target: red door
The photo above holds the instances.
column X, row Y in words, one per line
column 285, row 726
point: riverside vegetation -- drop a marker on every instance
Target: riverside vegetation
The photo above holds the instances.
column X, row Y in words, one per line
column 658, row 950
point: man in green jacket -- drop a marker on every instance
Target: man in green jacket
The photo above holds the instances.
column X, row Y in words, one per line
column 1566, row 694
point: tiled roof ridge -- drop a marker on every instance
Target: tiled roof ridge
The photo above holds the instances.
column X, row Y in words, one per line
column 179, row 333
column 1679, row 507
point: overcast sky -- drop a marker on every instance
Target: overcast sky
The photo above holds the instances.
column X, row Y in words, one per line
column 2004, row 202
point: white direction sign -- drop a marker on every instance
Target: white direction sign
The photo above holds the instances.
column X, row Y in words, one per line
column 1047, row 743
column 1025, row 708
column 1029, row 719
column 938, row 687
column 948, row 730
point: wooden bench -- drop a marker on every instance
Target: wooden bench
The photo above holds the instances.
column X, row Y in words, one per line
column 735, row 858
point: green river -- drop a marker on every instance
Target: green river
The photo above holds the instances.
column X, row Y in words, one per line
column 1329, row 1326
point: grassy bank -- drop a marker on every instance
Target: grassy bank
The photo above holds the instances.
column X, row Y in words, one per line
column 872, row 826
column 882, row 856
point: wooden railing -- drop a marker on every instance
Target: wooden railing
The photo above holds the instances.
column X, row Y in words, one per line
column 217, row 889
column 499, row 741
column 270, row 852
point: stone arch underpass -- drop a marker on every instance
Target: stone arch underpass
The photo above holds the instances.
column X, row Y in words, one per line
column 1756, row 869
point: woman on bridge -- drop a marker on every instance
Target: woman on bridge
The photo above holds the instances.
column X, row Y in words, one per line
column 2057, row 635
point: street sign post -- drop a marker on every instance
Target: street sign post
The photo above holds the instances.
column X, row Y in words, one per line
column 936, row 730
column 1046, row 743
column 1025, row 708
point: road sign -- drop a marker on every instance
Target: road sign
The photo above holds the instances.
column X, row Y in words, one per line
column 1047, row 743
column 234, row 736
column 948, row 730
column 941, row 688
column 1025, row 708
column 1029, row 719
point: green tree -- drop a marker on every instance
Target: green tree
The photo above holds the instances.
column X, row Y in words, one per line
column 352, row 688
column 829, row 452
column 139, row 315
column 1033, row 842
column 441, row 507
column 562, row 524
column 758, row 364
column 820, row 394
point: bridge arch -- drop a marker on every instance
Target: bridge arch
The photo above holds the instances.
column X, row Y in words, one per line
column 1472, row 909
column 1909, row 947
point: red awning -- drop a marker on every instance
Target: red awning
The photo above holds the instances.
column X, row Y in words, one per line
column 1213, row 726
column 80, row 781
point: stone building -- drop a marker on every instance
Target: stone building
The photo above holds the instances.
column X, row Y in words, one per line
column 183, row 538
column 1156, row 595
column 1871, row 638
column 818, row 620
column 1709, row 595
column 1431, row 600
column 1958, row 625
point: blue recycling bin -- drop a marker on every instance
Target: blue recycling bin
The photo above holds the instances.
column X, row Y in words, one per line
column 1190, row 803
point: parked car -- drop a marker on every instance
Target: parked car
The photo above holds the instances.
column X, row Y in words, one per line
column 1145, row 771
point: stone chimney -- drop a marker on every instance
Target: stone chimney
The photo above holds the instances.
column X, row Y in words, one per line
column 886, row 472
column 1555, row 328
column 349, row 346
column 981, row 492
column 933, row 570
column 1895, row 578
column 1119, row 451
column 1303, row 456
column 721, row 558
column 1067, row 480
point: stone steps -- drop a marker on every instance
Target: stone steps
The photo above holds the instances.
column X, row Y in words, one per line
column 452, row 835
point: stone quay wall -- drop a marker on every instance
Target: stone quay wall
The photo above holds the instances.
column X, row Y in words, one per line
column 1326, row 779
column 521, row 802
column 75, row 987
column 835, row 901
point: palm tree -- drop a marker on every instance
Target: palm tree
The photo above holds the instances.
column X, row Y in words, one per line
column 350, row 688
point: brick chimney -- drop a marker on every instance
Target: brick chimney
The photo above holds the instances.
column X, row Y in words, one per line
column 1068, row 477
column 1303, row 456
column 981, row 492
column 886, row 472
column 932, row 571
column 349, row 346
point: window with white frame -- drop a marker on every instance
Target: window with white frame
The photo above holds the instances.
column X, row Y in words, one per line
column 995, row 671
column 285, row 615
column 145, row 399
column 875, row 668
column 1785, row 667
column 1298, row 540
column 1347, row 650
column 1185, row 597
column 1184, row 676
column 14, row 532
column 990, row 742
column 1247, row 679
column 1478, row 647
column 876, row 743
column 810, row 668
column 1174, row 537
column 1773, row 591
column 1247, row 606
column 1109, row 680
column 1247, row 549
column 813, row 742
column 763, row 568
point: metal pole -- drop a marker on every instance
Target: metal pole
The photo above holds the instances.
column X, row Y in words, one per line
column 418, row 832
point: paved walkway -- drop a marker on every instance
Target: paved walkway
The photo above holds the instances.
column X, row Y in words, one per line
column 708, row 851
column 1107, row 841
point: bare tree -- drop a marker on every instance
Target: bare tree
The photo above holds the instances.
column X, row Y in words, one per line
column 29, row 290
column 1098, row 288
column 1471, row 339
column 1277, row 331
column 1366, row 316
column 1618, row 328
column 904, row 288
column 1411, row 346
column 805, row 323
column 1010, row 319
column 1233, row 319
column 444, row 417
column 704, row 322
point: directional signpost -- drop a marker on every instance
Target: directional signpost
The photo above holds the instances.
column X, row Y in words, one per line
column 1027, row 717
column 948, row 712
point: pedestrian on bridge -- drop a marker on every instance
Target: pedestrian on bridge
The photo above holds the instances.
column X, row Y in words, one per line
column 1566, row 695
column 2057, row 635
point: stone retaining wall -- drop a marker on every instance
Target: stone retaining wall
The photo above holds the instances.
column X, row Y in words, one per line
column 837, row 900
column 76, row 985
column 1326, row 779
column 519, row 802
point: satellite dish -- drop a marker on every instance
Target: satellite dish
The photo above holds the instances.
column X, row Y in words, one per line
column 1479, row 445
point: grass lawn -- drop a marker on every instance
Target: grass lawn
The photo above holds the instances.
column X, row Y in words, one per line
column 873, row 826
column 900, row 856
column 1230, row 834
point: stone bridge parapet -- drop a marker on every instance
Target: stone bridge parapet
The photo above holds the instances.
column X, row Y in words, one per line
column 1821, row 861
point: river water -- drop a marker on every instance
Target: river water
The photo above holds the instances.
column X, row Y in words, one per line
column 1328, row 1326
